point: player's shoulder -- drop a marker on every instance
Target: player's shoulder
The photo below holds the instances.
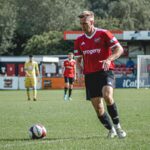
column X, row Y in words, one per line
column 35, row 62
column 66, row 60
column 102, row 31
column 73, row 60
column 26, row 62
column 80, row 37
column 105, row 33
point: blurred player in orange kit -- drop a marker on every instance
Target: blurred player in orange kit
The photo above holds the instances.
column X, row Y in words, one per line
column 69, row 68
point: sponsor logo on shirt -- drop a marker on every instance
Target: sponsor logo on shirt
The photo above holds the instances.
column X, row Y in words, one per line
column 92, row 51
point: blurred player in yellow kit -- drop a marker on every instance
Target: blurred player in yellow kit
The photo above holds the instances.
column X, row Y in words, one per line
column 31, row 73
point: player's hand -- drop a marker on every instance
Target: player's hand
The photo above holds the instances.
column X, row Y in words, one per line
column 38, row 79
column 28, row 75
column 105, row 64
column 75, row 78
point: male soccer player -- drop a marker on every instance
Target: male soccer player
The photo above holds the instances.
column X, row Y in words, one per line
column 99, row 48
column 31, row 71
column 69, row 68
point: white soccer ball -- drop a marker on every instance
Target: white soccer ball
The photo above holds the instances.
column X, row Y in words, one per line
column 37, row 131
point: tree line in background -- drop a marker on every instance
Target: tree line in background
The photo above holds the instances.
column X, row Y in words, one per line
column 37, row 26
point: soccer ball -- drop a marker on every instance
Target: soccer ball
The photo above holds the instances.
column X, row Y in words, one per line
column 37, row 131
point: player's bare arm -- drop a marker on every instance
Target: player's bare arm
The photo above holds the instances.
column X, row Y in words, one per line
column 78, row 62
column 70, row 67
column 37, row 72
column 75, row 72
column 116, row 53
column 26, row 73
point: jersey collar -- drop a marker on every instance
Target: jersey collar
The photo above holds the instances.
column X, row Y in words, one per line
column 89, row 37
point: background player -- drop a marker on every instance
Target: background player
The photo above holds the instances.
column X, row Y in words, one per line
column 31, row 71
column 69, row 68
column 99, row 48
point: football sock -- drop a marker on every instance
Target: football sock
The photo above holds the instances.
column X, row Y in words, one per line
column 104, row 119
column 117, row 126
column 28, row 93
column 70, row 92
column 112, row 110
column 34, row 93
column 65, row 90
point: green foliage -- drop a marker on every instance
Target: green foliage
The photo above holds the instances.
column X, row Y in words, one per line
column 132, row 14
column 48, row 43
column 38, row 16
column 7, row 25
column 108, row 23
column 23, row 21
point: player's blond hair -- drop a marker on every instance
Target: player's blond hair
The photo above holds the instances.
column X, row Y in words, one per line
column 70, row 53
column 87, row 14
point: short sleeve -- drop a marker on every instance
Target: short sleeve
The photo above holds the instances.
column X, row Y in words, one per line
column 77, row 51
column 110, row 39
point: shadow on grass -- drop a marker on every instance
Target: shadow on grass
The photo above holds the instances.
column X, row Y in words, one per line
column 49, row 139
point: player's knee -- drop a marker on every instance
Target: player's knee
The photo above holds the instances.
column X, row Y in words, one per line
column 67, row 85
column 100, row 111
column 106, row 96
column 70, row 86
column 108, row 99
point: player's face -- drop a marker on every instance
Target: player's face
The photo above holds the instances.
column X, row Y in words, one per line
column 70, row 56
column 86, row 25
column 30, row 59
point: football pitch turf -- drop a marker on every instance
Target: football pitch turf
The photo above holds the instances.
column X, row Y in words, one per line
column 72, row 125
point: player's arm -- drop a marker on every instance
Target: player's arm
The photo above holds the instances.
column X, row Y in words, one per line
column 26, row 71
column 78, row 62
column 78, row 54
column 116, row 48
column 75, row 72
column 117, row 51
column 79, row 66
column 37, row 70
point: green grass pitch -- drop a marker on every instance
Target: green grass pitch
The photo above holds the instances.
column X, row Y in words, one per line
column 72, row 125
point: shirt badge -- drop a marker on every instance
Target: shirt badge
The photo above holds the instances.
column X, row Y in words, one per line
column 97, row 40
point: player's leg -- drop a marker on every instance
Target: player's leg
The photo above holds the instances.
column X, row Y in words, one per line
column 28, row 93
column 34, row 93
column 27, row 86
column 66, row 79
column 71, row 81
column 112, row 110
column 93, row 88
column 33, row 84
column 103, row 116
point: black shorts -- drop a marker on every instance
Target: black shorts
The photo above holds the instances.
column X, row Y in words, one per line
column 69, row 80
column 94, row 83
